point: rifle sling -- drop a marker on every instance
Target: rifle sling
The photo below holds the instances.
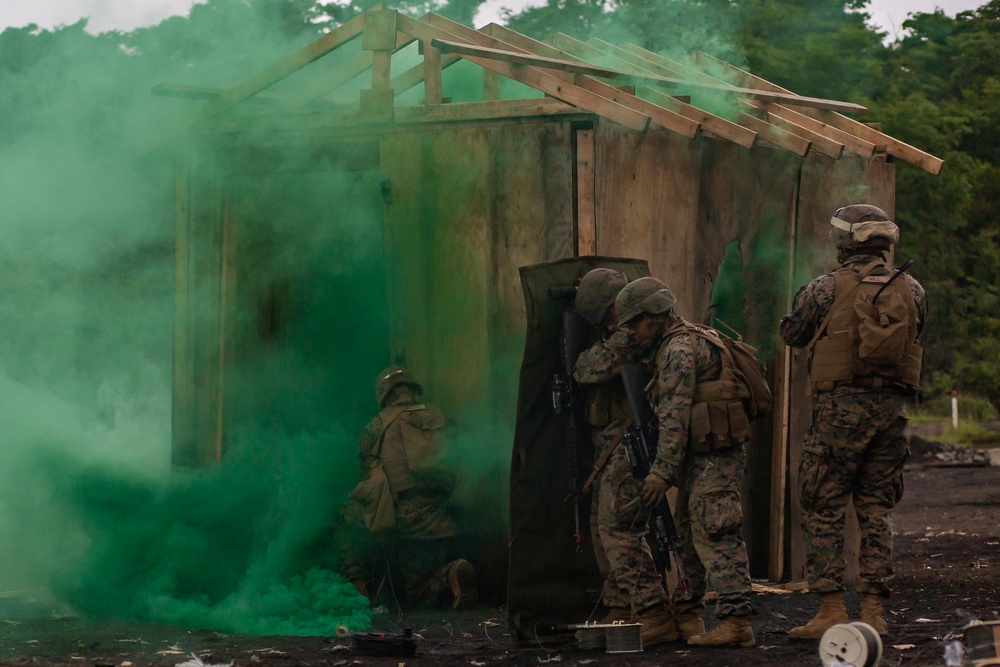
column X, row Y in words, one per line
column 607, row 454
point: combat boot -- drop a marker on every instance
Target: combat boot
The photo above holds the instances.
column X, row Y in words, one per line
column 733, row 631
column 831, row 612
column 871, row 613
column 462, row 581
column 689, row 624
column 658, row 626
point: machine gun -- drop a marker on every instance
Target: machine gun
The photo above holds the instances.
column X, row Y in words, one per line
column 566, row 401
column 640, row 441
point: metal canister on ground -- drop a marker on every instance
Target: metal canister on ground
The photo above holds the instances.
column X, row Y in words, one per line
column 624, row 638
column 982, row 642
column 855, row 644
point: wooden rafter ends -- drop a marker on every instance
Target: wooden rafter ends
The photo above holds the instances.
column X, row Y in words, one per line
column 894, row 147
column 522, row 59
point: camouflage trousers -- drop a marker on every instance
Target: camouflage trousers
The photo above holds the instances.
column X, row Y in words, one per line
column 709, row 521
column 854, row 451
column 411, row 568
column 619, row 524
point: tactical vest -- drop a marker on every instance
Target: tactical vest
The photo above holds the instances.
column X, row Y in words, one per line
column 412, row 443
column 837, row 360
column 718, row 416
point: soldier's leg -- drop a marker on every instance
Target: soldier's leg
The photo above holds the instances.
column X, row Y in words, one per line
column 623, row 526
column 597, row 507
column 717, row 528
column 717, row 533
column 692, row 602
column 826, row 472
column 420, row 569
column 878, row 487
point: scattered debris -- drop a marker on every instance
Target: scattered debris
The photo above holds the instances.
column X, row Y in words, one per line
column 904, row 647
column 195, row 661
column 476, row 663
column 554, row 658
column 926, row 620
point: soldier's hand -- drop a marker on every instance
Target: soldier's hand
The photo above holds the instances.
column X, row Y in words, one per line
column 654, row 490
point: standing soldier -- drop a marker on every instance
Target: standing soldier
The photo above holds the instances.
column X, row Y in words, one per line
column 403, row 503
column 861, row 322
column 703, row 430
column 619, row 522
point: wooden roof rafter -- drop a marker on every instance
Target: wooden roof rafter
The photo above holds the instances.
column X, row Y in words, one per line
column 567, row 47
column 626, row 84
column 571, row 72
column 865, row 133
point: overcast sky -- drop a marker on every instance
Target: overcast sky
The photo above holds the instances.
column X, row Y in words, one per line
column 128, row 14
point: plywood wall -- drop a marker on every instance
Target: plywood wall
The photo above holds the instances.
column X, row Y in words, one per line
column 468, row 207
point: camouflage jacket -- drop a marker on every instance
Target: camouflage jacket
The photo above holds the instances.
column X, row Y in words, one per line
column 603, row 360
column 677, row 368
column 813, row 302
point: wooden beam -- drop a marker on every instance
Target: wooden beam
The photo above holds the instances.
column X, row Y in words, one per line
column 777, row 136
column 586, row 194
column 894, row 147
column 285, row 67
column 193, row 92
column 710, row 122
column 432, row 75
column 537, row 78
column 521, row 59
column 851, row 142
column 491, row 85
column 820, row 143
column 665, row 118
column 763, row 95
column 415, row 75
column 489, row 110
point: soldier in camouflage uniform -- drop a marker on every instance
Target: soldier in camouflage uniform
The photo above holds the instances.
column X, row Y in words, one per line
column 633, row 588
column 405, row 440
column 855, row 447
column 700, row 450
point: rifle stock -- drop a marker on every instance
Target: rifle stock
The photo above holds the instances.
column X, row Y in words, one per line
column 641, row 441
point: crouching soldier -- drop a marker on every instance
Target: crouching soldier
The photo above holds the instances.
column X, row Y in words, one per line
column 402, row 519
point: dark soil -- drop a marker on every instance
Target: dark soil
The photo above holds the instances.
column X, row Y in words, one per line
column 948, row 572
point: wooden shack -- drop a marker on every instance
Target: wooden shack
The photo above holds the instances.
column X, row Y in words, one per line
column 472, row 153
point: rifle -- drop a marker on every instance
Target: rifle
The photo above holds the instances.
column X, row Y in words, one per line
column 566, row 401
column 898, row 273
column 640, row 441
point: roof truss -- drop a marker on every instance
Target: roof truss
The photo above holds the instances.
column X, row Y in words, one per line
column 626, row 84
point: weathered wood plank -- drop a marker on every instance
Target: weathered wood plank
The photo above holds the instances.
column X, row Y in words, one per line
column 894, row 147
column 663, row 117
column 709, row 122
column 538, row 79
column 776, row 135
column 647, row 192
column 432, row 75
column 586, row 221
column 521, row 59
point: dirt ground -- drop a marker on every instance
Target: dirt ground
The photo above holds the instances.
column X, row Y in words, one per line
column 948, row 572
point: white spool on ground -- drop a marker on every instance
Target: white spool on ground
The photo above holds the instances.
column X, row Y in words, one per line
column 855, row 644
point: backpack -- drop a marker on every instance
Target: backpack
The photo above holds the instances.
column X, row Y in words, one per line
column 742, row 358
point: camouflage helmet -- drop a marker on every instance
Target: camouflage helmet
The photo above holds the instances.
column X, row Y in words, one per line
column 859, row 225
column 391, row 378
column 645, row 295
column 596, row 293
